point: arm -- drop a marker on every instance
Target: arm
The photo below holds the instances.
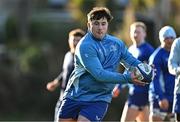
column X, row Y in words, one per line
column 162, row 100
column 117, row 89
column 52, row 85
column 156, row 81
column 59, row 77
column 174, row 60
column 128, row 60
column 90, row 61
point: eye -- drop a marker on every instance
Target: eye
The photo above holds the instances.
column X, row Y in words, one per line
column 104, row 23
column 169, row 38
column 96, row 23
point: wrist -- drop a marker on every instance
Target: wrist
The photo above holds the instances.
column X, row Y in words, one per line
column 160, row 98
column 128, row 77
column 56, row 81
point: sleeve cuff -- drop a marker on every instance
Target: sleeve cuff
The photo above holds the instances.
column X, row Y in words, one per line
column 160, row 98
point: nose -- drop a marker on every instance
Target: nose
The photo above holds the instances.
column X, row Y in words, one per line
column 100, row 26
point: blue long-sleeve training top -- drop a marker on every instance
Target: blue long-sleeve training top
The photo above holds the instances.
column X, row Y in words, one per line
column 96, row 66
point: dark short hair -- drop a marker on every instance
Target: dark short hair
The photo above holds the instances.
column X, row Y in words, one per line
column 99, row 12
column 77, row 32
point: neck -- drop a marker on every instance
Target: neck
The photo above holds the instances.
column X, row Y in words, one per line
column 139, row 43
column 166, row 48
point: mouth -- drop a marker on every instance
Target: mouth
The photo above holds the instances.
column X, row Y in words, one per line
column 100, row 33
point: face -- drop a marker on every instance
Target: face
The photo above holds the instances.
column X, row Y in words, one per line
column 137, row 34
column 168, row 42
column 73, row 41
column 98, row 27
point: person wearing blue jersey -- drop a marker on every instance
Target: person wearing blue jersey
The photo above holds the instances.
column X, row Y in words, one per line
column 97, row 56
column 161, row 88
column 68, row 65
column 136, row 107
column 174, row 68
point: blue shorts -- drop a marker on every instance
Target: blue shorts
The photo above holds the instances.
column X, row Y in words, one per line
column 93, row 111
column 138, row 101
column 176, row 104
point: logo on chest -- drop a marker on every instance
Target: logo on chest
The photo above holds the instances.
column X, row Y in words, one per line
column 113, row 48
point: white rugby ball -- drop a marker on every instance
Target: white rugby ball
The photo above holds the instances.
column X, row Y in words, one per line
column 146, row 72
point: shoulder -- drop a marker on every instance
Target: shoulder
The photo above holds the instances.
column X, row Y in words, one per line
column 176, row 43
column 68, row 56
column 149, row 45
column 86, row 45
column 157, row 51
column 156, row 54
column 85, row 42
column 132, row 47
column 148, row 48
column 115, row 39
column 68, row 53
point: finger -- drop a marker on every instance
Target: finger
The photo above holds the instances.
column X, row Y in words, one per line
column 138, row 82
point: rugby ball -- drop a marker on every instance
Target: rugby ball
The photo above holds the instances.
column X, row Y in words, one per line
column 145, row 72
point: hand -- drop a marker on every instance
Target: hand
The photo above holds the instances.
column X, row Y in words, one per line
column 164, row 104
column 116, row 92
column 51, row 86
column 135, row 78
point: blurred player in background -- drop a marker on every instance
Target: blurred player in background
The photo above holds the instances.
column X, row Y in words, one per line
column 136, row 107
column 68, row 66
column 174, row 68
column 161, row 88
column 97, row 57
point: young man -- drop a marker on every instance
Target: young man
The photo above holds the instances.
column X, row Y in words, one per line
column 97, row 56
column 136, row 107
column 174, row 68
column 161, row 88
column 68, row 66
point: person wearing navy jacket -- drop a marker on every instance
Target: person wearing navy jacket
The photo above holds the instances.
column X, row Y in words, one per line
column 162, row 87
column 137, row 104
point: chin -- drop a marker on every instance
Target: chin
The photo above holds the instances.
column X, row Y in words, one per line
column 100, row 36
